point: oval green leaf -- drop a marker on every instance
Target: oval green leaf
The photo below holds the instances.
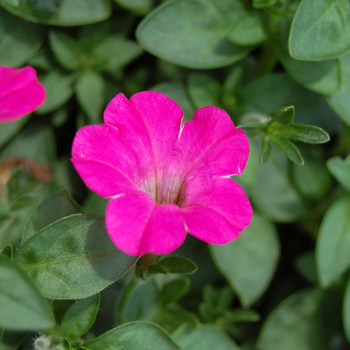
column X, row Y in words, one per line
column 305, row 320
column 340, row 169
column 206, row 337
column 19, row 40
column 333, row 242
column 91, row 91
column 192, row 33
column 273, row 180
column 21, row 305
column 249, row 262
column 60, row 12
column 52, row 209
column 248, row 30
column 59, row 90
column 320, row 30
column 80, row 317
column 73, row 258
column 135, row 335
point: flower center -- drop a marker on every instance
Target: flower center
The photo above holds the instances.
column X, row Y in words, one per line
column 166, row 190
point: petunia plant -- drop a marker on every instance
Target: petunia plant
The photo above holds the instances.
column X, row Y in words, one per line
column 185, row 184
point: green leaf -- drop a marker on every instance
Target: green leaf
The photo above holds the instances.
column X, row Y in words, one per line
column 192, row 33
column 306, row 265
column 247, row 179
column 329, row 17
column 333, row 242
column 59, row 90
column 177, row 92
column 284, row 115
column 1, row 335
column 135, row 335
column 60, row 12
column 80, row 317
column 21, row 305
column 138, row 7
column 171, row 264
column 299, row 132
column 265, row 154
column 322, row 77
column 286, row 147
column 273, row 180
column 35, row 142
column 243, row 315
column 140, row 301
column 94, row 204
column 340, row 101
column 206, row 337
column 19, row 40
column 248, row 30
column 8, row 251
column 73, row 258
column 66, row 50
column 91, row 90
column 249, row 262
column 175, row 290
column 52, row 209
column 173, row 318
column 204, row 90
column 9, row 130
column 115, row 52
column 312, row 180
column 346, row 312
column 305, row 320
column 340, row 169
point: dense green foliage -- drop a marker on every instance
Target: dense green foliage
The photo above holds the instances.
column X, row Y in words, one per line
column 281, row 69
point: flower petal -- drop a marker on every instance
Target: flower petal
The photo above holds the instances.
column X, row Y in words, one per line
column 162, row 117
column 216, row 210
column 20, row 93
column 104, row 144
column 210, row 143
column 102, row 179
column 137, row 225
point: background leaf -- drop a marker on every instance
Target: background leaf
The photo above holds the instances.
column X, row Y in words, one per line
column 134, row 335
column 171, row 33
column 52, row 209
column 305, row 320
column 60, row 12
column 21, row 305
column 19, row 40
column 80, row 317
column 333, row 242
column 249, row 262
column 73, row 258
column 329, row 17
column 206, row 337
column 340, row 169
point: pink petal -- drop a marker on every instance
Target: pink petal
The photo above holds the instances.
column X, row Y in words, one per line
column 150, row 122
column 210, row 144
column 216, row 210
column 102, row 179
column 104, row 144
column 137, row 225
column 20, row 93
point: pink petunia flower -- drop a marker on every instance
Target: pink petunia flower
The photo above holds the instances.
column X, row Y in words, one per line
column 20, row 93
column 164, row 180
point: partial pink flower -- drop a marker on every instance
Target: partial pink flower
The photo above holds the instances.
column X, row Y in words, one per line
column 20, row 93
column 164, row 180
